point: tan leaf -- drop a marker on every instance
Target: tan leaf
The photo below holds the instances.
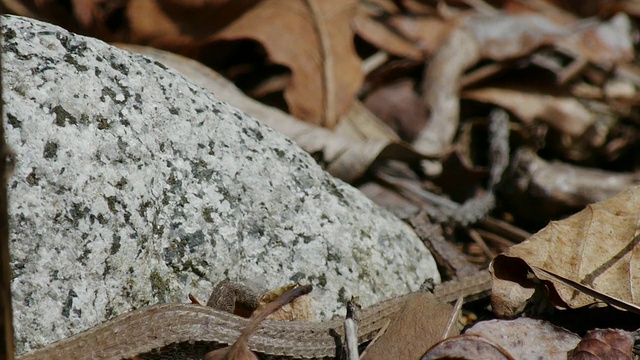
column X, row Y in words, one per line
column 178, row 25
column 376, row 33
column 467, row 347
column 597, row 247
column 557, row 279
column 526, row 338
column 314, row 39
column 604, row 344
column 418, row 325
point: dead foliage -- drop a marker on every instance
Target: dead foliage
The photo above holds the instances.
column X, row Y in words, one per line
column 477, row 122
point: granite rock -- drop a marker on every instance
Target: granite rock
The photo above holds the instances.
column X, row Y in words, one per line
column 134, row 186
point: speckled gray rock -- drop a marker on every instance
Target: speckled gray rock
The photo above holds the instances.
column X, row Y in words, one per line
column 134, row 186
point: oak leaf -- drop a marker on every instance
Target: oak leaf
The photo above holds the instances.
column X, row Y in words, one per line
column 314, row 39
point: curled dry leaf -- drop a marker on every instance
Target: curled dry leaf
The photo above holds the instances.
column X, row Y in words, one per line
column 557, row 279
column 466, row 44
column 582, row 124
column 597, row 247
column 527, row 338
column 604, row 344
column 375, row 32
column 363, row 125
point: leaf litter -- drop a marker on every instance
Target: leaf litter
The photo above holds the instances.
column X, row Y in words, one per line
column 396, row 97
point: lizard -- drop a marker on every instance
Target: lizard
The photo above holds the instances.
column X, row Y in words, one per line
column 187, row 331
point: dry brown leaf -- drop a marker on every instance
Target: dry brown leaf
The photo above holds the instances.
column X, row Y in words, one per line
column 527, row 338
column 604, row 344
column 178, row 25
column 314, row 39
column 467, row 347
column 343, row 157
column 508, row 36
column 597, row 247
column 418, row 325
column 427, row 33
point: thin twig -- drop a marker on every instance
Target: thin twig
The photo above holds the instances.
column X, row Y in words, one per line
column 351, row 330
column 475, row 236
column 444, row 252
